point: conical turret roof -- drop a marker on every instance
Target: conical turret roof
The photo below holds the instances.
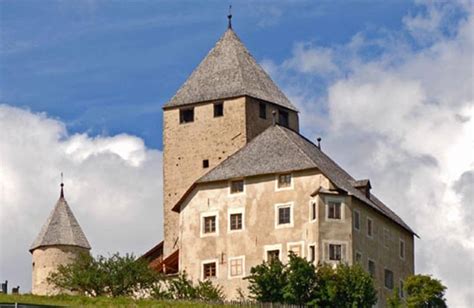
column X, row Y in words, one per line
column 229, row 70
column 61, row 228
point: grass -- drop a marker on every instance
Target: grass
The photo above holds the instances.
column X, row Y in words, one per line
column 84, row 301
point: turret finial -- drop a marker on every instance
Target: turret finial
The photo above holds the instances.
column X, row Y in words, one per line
column 62, row 185
column 229, row 26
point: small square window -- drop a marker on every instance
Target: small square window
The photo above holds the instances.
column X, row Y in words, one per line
column 210, row 224
column 236, row 186
column 296, row 249
column 356, row 220
column 402, row 249
column 335, row 252
column 236, row 221
column 371, row 267
column 283, row 118
column 209, row 270
column 262, row 110
column 284, row 180
column 370, row 226
column 312, row 253
column 334, row 210
column 388, row 278
column 186, row 115
column 273, row 255
column 284, row 215
column 236, row 266
column 205, row 163
column 218, row 109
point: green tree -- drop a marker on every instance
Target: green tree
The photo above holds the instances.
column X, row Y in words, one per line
column 423, row 291
column 114, row 276
column 300, row 281
column 266, row 282
column 394, row 300
column 355, row 287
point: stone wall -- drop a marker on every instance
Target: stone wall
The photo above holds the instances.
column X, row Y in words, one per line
column 45, row 261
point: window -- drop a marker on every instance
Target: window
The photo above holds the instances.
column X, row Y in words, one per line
column 210, row 224
column 205, row 163
column 262, row 110
column 236, row 221
column 402, row 249
column 386, row 237
column 283, row 118
column 358, row 257
column 236, row 267
column 273, row 255
column 272, row 252
column 401, row 292
column 218, row 109
column 388, row 278
column 209, row 270
column 284, row 214
column 334, row 210
column 312, row 253
column 296, row 248
column 186, row 115
column 236, row 186
column 335, row 252
column 370, row 226
column 313, row 210
column 356, row 220
column 284, row 181
column 371, row 267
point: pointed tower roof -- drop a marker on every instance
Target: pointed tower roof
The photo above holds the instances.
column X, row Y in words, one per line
column 61, row 228
column 229, row 70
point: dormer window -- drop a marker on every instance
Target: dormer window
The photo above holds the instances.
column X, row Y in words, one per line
column 283, row 118
column 186, row 115
column 218, row 109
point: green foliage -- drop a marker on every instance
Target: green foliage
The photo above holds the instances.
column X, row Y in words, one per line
column 113, row 276
column 394, row 300
column 267, row 281
column 182, row 288
column 423, row 291
column 301, row 283
column 355, row 287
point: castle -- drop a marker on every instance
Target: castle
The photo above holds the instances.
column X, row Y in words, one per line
column 242, row 185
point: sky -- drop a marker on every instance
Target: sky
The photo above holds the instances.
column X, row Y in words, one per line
column 388, row 85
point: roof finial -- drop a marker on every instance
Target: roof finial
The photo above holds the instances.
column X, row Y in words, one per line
column 229, row 26
column 319, row 142
column 62, row 185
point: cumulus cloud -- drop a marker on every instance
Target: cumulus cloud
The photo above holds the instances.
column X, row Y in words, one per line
column 405, row 119
column 113, row 185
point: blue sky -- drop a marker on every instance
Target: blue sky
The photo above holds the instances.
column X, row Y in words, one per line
column 387, row 84
column 106, row 67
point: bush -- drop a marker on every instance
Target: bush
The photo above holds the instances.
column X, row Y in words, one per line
column 424, row 291
column 267, row 281
column 114, row 276
column 182, row 288
column 301, row 283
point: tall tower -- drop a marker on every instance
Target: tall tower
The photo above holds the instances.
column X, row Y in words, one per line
column 228, row 100
column 59, row 242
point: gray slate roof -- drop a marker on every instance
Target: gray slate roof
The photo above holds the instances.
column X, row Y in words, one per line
column 61, row 228
column 279, row 149
column 228, row 70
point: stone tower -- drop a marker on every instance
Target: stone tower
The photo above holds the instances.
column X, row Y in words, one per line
column 60, row 241
column 227, row 100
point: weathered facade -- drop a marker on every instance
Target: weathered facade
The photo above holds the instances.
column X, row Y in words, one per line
column 60, row 242
column 241, row 185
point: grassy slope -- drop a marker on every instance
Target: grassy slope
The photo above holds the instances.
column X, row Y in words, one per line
column 82, row 301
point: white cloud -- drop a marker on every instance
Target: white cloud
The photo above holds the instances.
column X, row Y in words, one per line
column 405, row 119
column 113, row 185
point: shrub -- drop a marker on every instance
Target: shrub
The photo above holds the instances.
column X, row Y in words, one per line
column 424, row 291
column 267, row 281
